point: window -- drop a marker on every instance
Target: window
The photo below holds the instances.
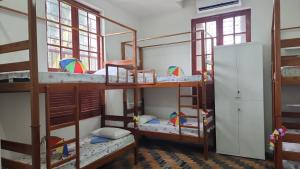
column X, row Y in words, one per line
column 225, row 29
column 73, row 30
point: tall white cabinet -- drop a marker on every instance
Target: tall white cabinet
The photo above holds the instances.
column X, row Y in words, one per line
column 239, row 100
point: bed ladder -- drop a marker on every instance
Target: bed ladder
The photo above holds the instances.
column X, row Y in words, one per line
column 197, row 107
column 68, row 97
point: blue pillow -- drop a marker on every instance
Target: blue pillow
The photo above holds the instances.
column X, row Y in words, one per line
column 97, row 139
column 154, row 121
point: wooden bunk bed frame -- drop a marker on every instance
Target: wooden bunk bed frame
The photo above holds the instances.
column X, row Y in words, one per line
column 278, row 81
column 200, row 97
column 35, row 88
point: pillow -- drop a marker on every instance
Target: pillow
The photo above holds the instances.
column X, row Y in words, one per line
column 110, row 132
column 112, row 71
column 145, row 118
column 98, row 139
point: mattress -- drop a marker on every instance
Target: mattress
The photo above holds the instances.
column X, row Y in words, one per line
column 64, row 77
column 294, row 147
column 165, row 126
column 290, row 71
column 88, row 152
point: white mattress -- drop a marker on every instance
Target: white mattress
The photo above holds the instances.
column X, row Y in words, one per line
column 88, row 152
column 166, row 127
column 63, row 77
column 294, row 148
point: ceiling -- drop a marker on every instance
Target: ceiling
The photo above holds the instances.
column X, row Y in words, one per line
column 144, row 8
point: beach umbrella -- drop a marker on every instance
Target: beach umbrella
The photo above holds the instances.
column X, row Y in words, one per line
column 175, row 71
column 72, row 65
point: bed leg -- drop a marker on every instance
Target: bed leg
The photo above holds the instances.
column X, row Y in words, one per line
column 135, row 155
column 205, row 145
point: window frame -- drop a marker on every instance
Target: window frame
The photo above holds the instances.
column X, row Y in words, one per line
column 75, row 7
column 219, row 31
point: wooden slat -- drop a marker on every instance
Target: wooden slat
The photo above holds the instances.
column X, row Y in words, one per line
column 14, row 47
column 70, row 158
column 16, row 147
column 291, row 125
column 14, row 164
column 63, row 125
column 188, row 96
column 62, row 108
column 189, row 106
column 293, row 156
column 291, row 114
column 186, row 116
column 19, row 66
column 291, row 138
column 290, row 81
column 192, row 127
column 63, row 143
column 290, row 60
column 286, row 43
column 15, row 87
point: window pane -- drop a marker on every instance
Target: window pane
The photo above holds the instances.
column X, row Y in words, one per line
column 240, row 24
column 93, row 43
column 208, row 48
column 208, row 62
column 228, row 40
column 52, row 10
column 199, row 63
column 211, row 28
column 93, row 61
column 228, row 26
column 92, row 23
column 65, row 14
column 240, row 38
column 66, row 53
column 53, row 33
column 66, row 38
column 83, row 40
column 84, row 57
column 53, row 57
column 198, row 48
column 82, row 20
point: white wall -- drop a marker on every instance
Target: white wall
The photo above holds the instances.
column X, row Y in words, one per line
column 15, row 108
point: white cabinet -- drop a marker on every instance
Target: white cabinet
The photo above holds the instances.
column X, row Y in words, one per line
column 239, row 100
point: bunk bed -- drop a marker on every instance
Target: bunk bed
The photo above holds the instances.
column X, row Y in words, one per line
column 68, row 91
column 284, row 69
column 199, row 128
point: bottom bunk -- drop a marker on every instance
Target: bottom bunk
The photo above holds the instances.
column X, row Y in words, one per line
column 289, row 148
column 92, row 154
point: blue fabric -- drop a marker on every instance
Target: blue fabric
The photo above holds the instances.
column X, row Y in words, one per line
column 154, row 121
column 97, row 139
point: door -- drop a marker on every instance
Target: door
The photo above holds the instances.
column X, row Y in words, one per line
column 251, row 129
column 250, row 71
column 225, row 105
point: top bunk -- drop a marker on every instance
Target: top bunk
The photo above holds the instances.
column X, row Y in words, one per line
column 285, row 51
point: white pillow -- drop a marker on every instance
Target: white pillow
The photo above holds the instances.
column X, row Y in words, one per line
column 110, row 132
column 145, row 118
column 112, row 71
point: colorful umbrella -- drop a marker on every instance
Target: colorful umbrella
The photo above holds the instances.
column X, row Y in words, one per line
column 174, row 118
column 175, row 71
column 72, row 65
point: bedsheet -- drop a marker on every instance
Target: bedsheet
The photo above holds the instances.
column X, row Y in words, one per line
column 290, row 71
column 294, row 147
column 88, row 152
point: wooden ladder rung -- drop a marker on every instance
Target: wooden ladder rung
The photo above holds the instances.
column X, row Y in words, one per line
column 292, row 138
column 291, row 114
column 63, row 143
column 189, row 106
column 289, row 125
column 192, row 127
column 286, row 43
column 14, row 47
column 16, row 87
column 63, row 125
column 188, row 95
column 61, row 108
column 18, row 66
column 70, row 158
column 293, row 156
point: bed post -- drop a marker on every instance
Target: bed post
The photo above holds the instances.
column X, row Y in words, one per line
column 33, row 57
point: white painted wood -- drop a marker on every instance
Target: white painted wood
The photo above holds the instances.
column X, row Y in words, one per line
column 239, row 100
